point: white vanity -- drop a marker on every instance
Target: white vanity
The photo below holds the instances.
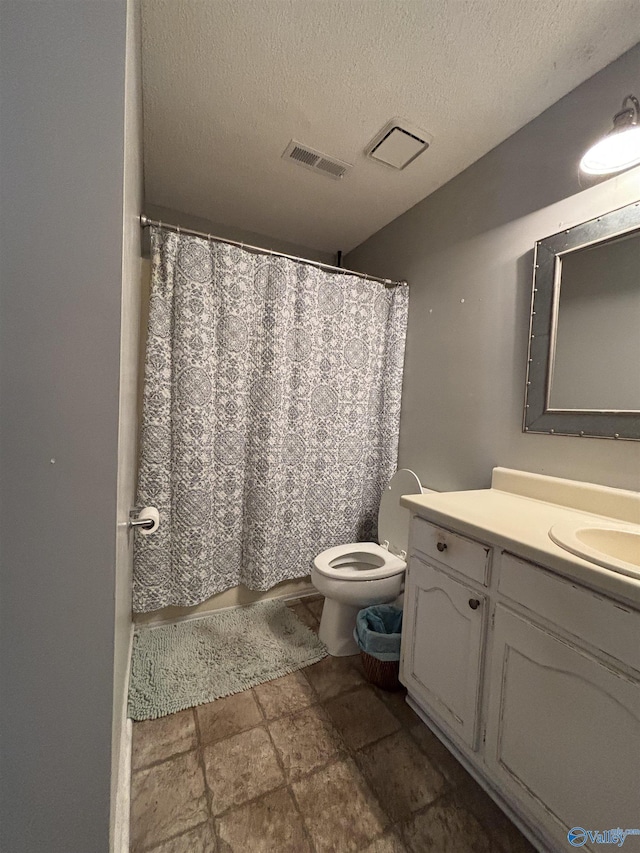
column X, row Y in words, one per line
column 525, row 658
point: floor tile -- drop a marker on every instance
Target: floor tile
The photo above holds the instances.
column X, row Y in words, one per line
column 447, row 828
column 356, row 663
column 400, row 775
column 306, row 617
column 271, row 824
column 199, row 840
column 167, row 799
column 470, row 796
column 438, row 754
column 156, row 740
column 240, row 768
column 360, row 717
column 284, row 695
column 315, row 607
column 332, row 676
column 338, row 808
column 511, row 841
column 229, row 716
column 390, row 842
column 305, row 741
column 396, row 702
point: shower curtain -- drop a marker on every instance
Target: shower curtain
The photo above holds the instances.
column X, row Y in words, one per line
column 270, row 416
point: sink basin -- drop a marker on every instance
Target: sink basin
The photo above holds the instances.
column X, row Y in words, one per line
column 614, row 546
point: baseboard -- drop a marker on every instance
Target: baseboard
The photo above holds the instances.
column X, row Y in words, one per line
column 123, row 793
column 121, row 785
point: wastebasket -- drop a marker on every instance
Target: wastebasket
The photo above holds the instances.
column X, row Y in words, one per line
column 377, row 633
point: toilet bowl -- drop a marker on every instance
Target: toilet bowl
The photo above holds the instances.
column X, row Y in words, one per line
column 359, row 574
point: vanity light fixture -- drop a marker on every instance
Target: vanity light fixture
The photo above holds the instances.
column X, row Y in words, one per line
column 620, row 148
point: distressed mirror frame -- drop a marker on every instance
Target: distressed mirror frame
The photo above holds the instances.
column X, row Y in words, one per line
column 539, row 417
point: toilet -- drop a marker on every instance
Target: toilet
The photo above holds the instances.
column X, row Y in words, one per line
column 356, row 575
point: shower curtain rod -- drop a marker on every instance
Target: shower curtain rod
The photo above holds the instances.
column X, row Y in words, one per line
column 145, row 222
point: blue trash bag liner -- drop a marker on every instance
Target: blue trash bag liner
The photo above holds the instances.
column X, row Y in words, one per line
column 378, row 630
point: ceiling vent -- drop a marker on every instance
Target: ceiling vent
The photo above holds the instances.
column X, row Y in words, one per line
column 316, row 161
column 398, row 143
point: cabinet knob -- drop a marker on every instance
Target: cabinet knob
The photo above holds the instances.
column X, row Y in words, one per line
column 474, row 603
column 441, row 546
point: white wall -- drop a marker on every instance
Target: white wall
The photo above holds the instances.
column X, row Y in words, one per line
column 466, row 252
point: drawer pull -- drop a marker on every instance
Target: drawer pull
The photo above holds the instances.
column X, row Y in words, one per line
column 441, row 546
column 474, row 603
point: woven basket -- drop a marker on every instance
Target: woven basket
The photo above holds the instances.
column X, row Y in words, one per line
column 382, row 673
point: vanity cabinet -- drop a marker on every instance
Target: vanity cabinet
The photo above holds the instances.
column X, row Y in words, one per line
column 445, row 620
column 563, row 729
column 531, row 679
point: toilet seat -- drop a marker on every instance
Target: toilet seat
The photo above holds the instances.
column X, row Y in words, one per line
column 368, row 561
column 358, row 561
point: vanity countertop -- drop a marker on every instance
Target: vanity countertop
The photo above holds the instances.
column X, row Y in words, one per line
column 517, row 512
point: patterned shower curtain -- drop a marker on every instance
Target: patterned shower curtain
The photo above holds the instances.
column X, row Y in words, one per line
column 270, row 416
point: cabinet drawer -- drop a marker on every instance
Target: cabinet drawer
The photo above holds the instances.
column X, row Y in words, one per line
column 599, row 622
column 464, row 555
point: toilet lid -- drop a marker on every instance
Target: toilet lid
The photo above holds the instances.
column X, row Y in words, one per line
column 393, row 519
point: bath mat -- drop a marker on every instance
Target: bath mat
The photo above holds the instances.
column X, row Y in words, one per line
column 174, row 667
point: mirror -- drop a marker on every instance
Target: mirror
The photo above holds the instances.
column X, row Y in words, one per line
column 597, row 329
column 583, row 369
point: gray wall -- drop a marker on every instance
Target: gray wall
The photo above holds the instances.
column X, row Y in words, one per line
column 61, row 176
column 466, row 251
column 231, row 232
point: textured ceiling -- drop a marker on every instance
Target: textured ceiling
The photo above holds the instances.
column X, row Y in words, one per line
column 227, row 84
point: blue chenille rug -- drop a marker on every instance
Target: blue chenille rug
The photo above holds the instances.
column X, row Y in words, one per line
column 177, row 666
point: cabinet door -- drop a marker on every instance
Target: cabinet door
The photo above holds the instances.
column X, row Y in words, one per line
column 563, row 731
column 442, row 648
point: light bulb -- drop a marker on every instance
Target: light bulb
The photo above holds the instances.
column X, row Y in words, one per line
column 620, row 148
column 617, row 151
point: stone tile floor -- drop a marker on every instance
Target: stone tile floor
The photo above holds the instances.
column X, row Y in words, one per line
column 314, row 762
